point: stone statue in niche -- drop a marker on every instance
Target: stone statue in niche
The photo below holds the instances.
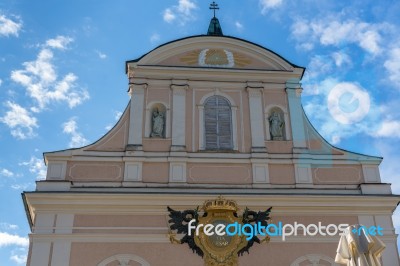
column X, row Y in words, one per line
column 157, row 127
column 276, row 125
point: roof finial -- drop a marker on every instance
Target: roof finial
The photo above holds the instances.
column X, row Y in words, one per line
column 214, row 6
column 215, row 27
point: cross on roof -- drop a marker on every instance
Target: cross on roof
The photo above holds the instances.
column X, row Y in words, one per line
column 214, row 7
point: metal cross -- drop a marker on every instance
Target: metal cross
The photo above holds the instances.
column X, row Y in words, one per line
column 214, row 7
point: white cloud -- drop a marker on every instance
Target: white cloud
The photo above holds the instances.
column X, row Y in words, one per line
column 168, row 15
column 77, row 139
column 40, row 79
column 7, row 239
column 36, row 166
column 392, row 65
column 60, row 42
column 155, row 37
column 19, row 259
column 10, row 26
column 186, row 7
column 7, row 173
column 389, row 128
column 1, row 82
column 319, row 65
column 341, row 59
column 7, row 226
column 181, row 12
column 23, row 186
column 117, row 115
column 239, row 26
column 101, row 55
column 269, row 4
column 20, row 121
column 331, row 30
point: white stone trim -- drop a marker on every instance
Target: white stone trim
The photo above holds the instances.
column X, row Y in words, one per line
column 177, row 172
column 390, row 255
column 133, row 171
column 202, row 141
column 303, row 174
column 234, row 128
column 61, row 253
column 62, row 248
column 44, row 223
column 371, row 173
column 260, row 173
column 40, row 254
column 56, row 170
column 64, row 223
column 384, row 221
column 194, row 120
column 376, row 189
column 297, row 125
column 53, row 185
column 135, row 137
column 256, row 118
column 242, row 122
column 179, row 116
column 163, row 238
column 155, row 202
column 219, row 93
column 124, row 259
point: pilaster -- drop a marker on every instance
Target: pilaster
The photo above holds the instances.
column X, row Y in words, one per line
column 293, row 90
column 256, row 118
column 178, row 116
column 137, row 92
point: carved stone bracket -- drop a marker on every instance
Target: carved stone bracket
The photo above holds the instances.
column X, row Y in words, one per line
column 137, row 88
column 179, row 89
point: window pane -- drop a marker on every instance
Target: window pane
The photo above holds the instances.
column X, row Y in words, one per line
column 218, row 128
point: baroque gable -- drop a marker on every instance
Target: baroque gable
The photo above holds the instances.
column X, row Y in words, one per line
column 214, row 52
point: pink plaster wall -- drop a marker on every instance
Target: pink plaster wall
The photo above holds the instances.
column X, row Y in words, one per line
column 219, row 173
column 115, row 139
column 155, row 172
column 279, row 146
column 282, row 174
column 156, row 144
column 337, row 174
column 95, row 171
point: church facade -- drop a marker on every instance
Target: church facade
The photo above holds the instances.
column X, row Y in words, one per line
column 209, row 117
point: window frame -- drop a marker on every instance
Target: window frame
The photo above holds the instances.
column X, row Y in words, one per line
column 225, row 108
column 201, row 113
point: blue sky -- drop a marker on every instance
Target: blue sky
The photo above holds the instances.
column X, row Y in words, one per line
column 63, row 84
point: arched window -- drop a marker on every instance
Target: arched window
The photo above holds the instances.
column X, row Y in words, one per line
column 218, row 123
column 124, row 260
column 314, row 260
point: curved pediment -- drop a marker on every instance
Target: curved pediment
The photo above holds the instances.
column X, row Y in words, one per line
column 214, row 52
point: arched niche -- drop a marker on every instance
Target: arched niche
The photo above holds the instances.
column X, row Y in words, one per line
column 156, row 111
column 277, row 117
column 314, row 260
column 123, row 260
